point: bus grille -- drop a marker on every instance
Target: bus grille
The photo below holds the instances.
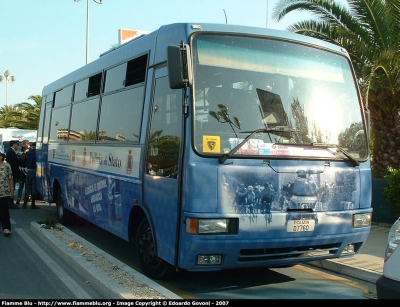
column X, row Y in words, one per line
column 263, row 254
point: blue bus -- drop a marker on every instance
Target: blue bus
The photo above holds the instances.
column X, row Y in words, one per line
column 212, row 146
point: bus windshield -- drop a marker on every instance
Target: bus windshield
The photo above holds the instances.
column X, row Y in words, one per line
column 293, row 96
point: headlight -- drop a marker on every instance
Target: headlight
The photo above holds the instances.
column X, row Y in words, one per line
column 393, row 239
column 210, row 226
column 362, row 220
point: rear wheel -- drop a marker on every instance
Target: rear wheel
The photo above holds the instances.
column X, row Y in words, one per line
column 151, row 264
column 64, row 216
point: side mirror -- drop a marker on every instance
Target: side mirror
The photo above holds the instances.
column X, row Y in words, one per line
column 223, row 108
column 213, row 114
column 236, row 121
column 180, row 72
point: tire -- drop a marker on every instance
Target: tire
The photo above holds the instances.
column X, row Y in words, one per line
column 151, row 264
column 64, row 216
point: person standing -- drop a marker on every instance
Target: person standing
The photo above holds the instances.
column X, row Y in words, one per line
column 30, row 187
column 6, row 192
column 12, row 159
column 22, row 172
column 25, row 144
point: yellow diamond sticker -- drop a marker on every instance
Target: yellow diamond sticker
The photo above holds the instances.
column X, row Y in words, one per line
column 211, row 143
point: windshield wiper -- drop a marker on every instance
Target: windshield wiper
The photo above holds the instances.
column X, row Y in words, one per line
column 224, row 157
column 327, row 146
column 341, row 149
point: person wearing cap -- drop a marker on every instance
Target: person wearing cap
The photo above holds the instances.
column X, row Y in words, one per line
column 12, row 159
column 6, row 193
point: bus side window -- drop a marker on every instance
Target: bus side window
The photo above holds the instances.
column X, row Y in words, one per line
column 136, row 70
column 84, row 120
column 60, row 124
column 63, row 97
column 94, row 85
column 165, row 131
column 121, row 116
column 81, row 88
column 114, row 78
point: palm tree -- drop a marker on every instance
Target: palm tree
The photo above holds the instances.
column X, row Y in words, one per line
column 29, row 113
column 369, row 30
column 10, row 116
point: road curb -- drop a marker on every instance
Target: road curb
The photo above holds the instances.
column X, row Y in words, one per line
column 99, row 280
column 334, row 266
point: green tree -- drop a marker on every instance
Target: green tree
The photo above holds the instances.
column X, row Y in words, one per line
column 23, row 115
column 88, row 135
column 29, row 113
column 369, row 30
column 10, row 116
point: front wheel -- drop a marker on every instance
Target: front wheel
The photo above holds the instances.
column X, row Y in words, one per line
column 64, row 216
column 151, row 264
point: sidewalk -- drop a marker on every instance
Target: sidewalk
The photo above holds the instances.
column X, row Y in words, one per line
column 368, row 264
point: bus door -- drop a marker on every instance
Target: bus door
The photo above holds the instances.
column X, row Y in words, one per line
column 162, row 165
column 42, row 156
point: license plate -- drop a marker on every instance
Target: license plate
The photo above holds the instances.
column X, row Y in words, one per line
column 300, row 225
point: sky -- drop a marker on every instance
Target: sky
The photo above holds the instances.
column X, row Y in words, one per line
column 43, row 40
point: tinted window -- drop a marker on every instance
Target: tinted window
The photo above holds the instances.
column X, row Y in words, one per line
column 49, row 97
column 63, row 97
column 81, row 90
column 59, row 124
column 136, row 71
column 84, row 121
column 41, row 121
column 46, row 124
column 121, row 116
column 165, row 131
column 94, row 85
column 115, row 78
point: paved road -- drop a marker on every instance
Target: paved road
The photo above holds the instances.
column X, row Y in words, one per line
column 30, row 270
column 36, row 271
column 303, row 281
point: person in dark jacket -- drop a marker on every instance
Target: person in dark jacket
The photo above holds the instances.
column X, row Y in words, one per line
column 6, row 192
column 12, row 159
column 22, row 173
column 30, row 187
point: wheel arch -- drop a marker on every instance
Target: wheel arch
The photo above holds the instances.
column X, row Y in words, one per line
column 56, row 188
column 137, row 214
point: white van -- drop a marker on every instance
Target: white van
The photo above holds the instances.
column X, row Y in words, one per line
column 388, row 285
column 15, row 134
